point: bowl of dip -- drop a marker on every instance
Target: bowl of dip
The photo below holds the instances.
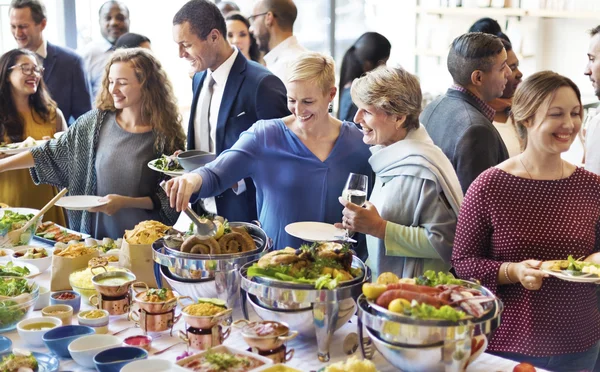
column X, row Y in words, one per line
column 113, row 283
column 145, row 342
column 31, row 330
column 62, row 312
column 97, row 319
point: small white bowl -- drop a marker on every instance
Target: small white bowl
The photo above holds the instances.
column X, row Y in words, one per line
column 43, row 299
column 41, row 263
column 34, row 338
column 152, row 365
column 93, row 322
column 7, row 254
column 84, row 349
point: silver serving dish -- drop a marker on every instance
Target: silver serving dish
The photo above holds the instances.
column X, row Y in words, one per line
column 327, row 305
column 405, row 330
column 203, row 266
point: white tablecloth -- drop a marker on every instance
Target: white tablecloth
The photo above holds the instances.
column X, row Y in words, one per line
column 305, row 356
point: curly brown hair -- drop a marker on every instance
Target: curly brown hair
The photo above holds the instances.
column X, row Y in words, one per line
column 159, row 105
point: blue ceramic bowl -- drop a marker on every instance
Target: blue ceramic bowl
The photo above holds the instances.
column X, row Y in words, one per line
column 112, row 360
column 58, row 339
column 193, row 159
column 75, row 302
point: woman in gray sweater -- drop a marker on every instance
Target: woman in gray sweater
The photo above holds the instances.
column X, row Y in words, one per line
column 412, row 213
column 105, row 151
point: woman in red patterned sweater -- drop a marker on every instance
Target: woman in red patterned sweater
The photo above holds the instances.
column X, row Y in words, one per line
column 531, row 208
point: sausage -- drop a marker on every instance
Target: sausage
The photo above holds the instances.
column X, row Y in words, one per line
column 415, row 288
column 390, row 295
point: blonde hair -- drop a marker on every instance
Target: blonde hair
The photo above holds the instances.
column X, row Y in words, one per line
column 314, row 67
column 393, row 90
column 159, row 105
column 535, row 92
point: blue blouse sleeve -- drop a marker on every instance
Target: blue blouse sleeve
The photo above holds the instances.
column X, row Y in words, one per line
column 231, row 166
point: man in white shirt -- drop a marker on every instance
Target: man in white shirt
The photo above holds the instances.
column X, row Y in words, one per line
column 63, row 69
column 592, row 135
column 273, row 26
column 230, row 94
column 114, row 22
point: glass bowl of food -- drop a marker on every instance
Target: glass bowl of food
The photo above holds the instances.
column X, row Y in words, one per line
column 17, row 297
column 12, row 221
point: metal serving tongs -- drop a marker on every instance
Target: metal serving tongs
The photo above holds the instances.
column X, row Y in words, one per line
column 205, row 227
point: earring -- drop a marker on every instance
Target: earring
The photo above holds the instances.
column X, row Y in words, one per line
column 330, row 109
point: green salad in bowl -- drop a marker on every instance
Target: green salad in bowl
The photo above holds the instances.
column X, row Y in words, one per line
column 17, row 297
column 12, row 220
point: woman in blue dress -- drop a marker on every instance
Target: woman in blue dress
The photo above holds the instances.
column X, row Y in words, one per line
column 299, row 163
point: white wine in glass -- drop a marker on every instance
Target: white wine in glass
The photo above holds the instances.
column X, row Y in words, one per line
column 356, row 189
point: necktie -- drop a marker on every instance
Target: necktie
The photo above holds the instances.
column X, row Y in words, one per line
column 205, row 141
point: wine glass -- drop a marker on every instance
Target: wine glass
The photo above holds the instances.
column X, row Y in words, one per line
column 355, row 191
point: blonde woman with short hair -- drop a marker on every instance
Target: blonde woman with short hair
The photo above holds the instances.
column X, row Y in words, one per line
column 299, row 163
column 411, row 216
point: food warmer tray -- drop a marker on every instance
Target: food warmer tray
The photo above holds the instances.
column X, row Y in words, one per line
column 325, row 302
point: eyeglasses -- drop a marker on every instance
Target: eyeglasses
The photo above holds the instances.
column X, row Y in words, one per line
column 29, row 69
column 254, row 16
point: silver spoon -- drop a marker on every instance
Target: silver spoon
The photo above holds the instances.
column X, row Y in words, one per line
column 169, row 347
column 205, row 227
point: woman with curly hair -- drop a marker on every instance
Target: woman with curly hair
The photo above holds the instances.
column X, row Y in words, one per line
column 26, row 110
column 106, row 151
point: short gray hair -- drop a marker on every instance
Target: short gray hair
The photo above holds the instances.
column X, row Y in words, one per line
column 315, row 67
column 393, row 90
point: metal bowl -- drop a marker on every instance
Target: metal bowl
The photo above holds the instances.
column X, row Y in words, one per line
column 193, row 159
column 266, row 342
column 207, row 322
column 111, row 290
column 155, row 307
column 302, row 320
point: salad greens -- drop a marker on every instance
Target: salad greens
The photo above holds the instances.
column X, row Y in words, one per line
column 431, row 278
column 425, row 311
column 225, row 361
column 18, row 360
column 167, row 163
column 160, row 293
column 12, row 287
column 12, row 220
column 11, row 270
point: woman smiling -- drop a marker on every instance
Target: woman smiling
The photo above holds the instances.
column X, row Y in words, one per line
column 411, row 216
column 106, row 151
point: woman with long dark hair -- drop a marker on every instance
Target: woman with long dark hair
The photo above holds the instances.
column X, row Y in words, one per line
column 106, row 151
column 26, row 110
column 369, row 51
column 239, row 35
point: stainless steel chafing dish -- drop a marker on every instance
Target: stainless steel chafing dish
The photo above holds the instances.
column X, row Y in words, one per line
column 420, row 344
column 205, row 275
column 328, row 306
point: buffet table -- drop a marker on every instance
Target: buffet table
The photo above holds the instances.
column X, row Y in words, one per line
column 305, row 356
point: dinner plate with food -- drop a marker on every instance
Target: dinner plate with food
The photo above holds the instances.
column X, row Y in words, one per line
column 52, row 233
column 18, row 147
column 572, row 270
column 80, row 202
column 24, row 360
column 168, row 165
column 18, row 270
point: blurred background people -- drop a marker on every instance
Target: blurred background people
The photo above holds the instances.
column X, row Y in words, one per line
column 239, row 35
column 230, row 94
column 410, row 222
column 311, row 151
column 368, row 51
column 517, row 215
column 136, row 121
column 592, row 135
column 227, row 7
column 272, row 24
column 26, row 110
column 132, row 40
column 64, row 74
column 114, row 22
column 460, row 121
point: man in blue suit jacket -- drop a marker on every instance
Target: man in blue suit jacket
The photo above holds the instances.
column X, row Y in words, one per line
column 64, row 75
column 230, row 94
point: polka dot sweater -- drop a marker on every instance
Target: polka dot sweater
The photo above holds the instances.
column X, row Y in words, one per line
column 505, row 218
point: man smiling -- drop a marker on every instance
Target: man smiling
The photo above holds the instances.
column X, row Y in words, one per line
column 592, row 136
column 230, row 94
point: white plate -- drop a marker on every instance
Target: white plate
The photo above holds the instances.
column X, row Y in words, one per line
column 570, row 278
column 58, row 134
column 80, row 202
column 33, row 270
column 315, row 231
column 168, row 173
column 13, row 151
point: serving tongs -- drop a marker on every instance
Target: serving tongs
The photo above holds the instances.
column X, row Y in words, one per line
column 204, row 227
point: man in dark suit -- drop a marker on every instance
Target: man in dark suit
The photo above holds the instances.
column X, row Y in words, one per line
column 63, row 69
column 460, row 121
column 230, row 94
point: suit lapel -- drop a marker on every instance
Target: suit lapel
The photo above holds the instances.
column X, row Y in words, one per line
column 234, row 82
column 196, row 88
column 49, row 61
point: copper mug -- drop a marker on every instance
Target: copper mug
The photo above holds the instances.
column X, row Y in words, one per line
column 203, row 339
column 154, row 322
column 114, row 306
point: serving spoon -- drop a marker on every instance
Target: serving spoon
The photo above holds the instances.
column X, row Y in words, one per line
column 204, row 227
